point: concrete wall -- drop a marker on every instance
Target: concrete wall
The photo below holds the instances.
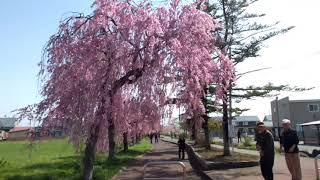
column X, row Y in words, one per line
column 283, row 112
column 300, row 113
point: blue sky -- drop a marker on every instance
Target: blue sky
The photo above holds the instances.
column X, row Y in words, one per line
column 25, row 26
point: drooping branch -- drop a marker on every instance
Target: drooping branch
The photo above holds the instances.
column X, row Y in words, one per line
column 129, row 78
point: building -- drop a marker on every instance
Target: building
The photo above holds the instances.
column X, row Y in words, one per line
column 245, row 124
column 39, row 132
column 268, row 121
column 299, row 112
column 19, row 133
column 7, row 123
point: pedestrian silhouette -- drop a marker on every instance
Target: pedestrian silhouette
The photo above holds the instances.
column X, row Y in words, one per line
column 151, row 136
column 156, row 137
column 182, row 147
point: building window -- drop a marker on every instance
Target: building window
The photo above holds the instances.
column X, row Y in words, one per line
column 313, row 107
column 245, row 123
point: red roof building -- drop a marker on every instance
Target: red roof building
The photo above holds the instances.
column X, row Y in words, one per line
column 19, row 133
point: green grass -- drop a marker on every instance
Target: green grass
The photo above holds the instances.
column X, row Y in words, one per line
column 216, row 142
column 57, row 159
column 216, row 155
column 248, row 147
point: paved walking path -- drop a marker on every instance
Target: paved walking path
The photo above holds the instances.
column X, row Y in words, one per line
column 162, row 151
column 280, row 169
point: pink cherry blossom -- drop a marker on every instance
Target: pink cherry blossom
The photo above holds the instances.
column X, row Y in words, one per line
column 114, row 69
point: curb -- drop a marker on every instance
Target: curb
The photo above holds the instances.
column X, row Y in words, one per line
column 198, row 171
column 201, row 166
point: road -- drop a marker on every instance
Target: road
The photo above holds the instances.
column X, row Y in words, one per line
column 162, row 151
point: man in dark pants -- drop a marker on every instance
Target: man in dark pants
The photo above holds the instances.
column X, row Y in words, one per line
column 265, row 145
column 156, row 137
column 239, row 136
column 289, row 142
column 151, row 137
column 182, row 147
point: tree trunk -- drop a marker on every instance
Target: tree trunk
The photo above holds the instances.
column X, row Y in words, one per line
column 206, row 119
column 89, row 156
column 206, row 132
column 194, row 132
column 133, row 142
column 125, row 142
column 226, row 145
column 90, row 150
column 112, row 143
column 111, row 130
column 139, row 136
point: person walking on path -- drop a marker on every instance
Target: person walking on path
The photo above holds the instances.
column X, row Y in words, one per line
column 239, row 136
column 151, row 137
column 156, row 137
column 182, row 147
column 265, row 145
column 289, row 141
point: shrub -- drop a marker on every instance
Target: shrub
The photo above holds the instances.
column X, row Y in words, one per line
column 217, row 142
column 183, row 135
column 247, row 141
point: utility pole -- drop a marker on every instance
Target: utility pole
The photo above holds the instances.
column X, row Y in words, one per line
column 278, row 117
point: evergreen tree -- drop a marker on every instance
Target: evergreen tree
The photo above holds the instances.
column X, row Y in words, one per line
column 241, row 37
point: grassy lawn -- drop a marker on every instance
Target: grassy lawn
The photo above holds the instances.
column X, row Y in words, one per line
column 216, row 155
column 248, row 147
column 57, row 159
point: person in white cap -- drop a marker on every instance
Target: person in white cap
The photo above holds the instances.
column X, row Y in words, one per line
column 289, row 141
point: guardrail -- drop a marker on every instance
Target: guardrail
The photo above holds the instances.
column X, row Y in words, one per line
column 164, row 163
column 317, row 166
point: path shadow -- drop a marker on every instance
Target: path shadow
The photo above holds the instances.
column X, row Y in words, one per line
column 231, row 174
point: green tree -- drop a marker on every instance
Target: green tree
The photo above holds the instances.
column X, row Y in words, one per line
column 241, row 37
column 214, row 125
